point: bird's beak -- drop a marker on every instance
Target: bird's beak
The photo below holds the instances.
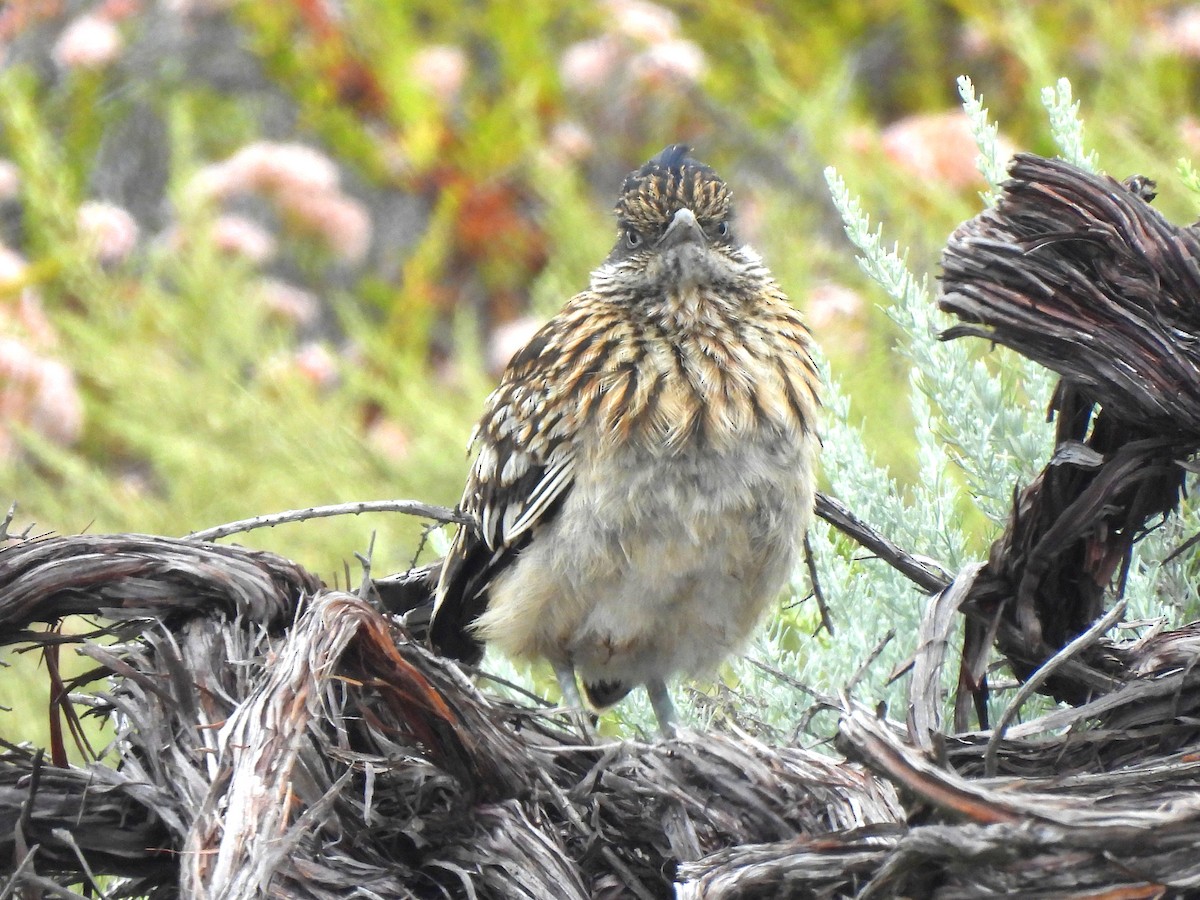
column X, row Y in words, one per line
column 684, row 229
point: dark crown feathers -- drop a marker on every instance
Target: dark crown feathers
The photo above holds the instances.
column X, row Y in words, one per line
column 671, row 180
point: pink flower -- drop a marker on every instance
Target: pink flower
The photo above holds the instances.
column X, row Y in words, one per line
column 975, row 40
column 38, row 393
column 838, row 313
column 302, row 183
column 1189, row 133
column 10, row 180
column 89, row 42
column 288, row 303
column 24, row 317
column 828, row 302
column 647, row 23
column 1179, row 33
column 109, row 231
column 676, row 61
column 587, row 66
column 569, row 142
column 934, row 146
column 240, row 236
column 56, row 411
column 341, row 221
column 21, row 312
column 317, row 364
column 12, row 269
column 441, row 69
column 273, row 167
column 388, row 439
column 507, row 339
column 266, row 167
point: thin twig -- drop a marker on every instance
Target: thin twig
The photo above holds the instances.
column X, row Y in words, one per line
column 822, row 606
column 51, row 888
column 826, row 700
column 8, row 519
column 1045, row 671
column 364, row 586
column 926, row 574
column 1182, row 548
column 511, row 685
column 16, row 879
column 861, row 671
column 820, row 701
column 7, row 536
column 407, row 507
column 67, row 837
column 631, row 881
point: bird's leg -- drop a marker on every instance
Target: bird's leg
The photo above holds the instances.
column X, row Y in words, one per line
column 565, row 673
column 664, row 709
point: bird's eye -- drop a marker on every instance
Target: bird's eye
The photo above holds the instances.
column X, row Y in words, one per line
column 723, row 229
column 632, row 239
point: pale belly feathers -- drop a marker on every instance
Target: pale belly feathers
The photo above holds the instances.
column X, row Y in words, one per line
column 663, row 565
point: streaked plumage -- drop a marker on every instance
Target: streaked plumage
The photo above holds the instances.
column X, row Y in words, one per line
column 645, row 467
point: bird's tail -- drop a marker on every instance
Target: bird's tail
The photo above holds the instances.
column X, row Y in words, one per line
column 602, row 694
column 409, row 595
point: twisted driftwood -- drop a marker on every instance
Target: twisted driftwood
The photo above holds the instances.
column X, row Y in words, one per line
column 273, row 737
column 336, row 755
column 1078, row 273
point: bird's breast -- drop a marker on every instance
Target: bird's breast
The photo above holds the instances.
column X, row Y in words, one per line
column 713, row 387
column 657, row 564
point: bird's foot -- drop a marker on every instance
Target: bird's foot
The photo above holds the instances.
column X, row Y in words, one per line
column 574, row 703
column 664, row 709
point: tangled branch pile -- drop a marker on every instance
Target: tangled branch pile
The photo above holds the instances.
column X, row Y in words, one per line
column 276, row 737
column 327, row 755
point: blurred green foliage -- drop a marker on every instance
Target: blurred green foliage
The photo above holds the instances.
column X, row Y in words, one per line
column 488, row 199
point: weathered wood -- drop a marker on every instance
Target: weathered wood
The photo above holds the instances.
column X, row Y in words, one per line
column 1079, row 273
column 275, row 738
column 337, row 755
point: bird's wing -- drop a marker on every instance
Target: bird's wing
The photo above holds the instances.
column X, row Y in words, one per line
column 523, row 471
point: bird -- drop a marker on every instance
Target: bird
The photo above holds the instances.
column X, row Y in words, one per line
column 644, row 471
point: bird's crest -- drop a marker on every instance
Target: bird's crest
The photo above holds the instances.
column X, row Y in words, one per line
column 667, row 183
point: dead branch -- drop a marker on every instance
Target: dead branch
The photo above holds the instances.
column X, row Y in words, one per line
column 1011, row 837
column 130, row 576
column 406, row 507
column 924, row 573
column 338, row 756
column 1079, row 273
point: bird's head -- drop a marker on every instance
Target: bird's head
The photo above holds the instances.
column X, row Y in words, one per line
column 675, row 230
